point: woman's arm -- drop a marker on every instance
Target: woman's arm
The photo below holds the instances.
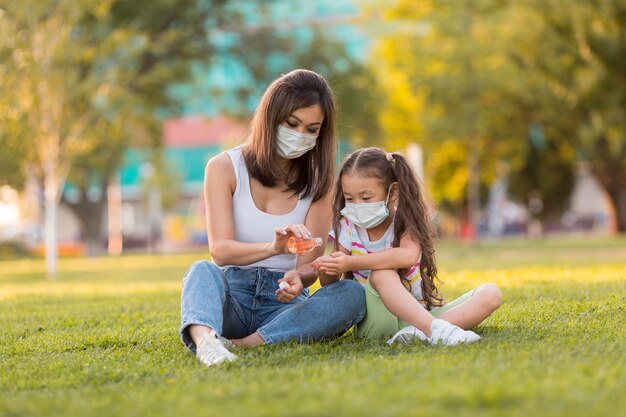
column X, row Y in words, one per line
column 318, row 220
column 219, row 185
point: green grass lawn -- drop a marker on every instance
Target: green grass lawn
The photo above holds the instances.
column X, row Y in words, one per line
column 103, row 340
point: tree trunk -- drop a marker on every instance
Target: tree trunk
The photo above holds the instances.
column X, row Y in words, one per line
column 617, row 194
column 114, row 217
column 473, row 186
column 89, row 214
column 610, row 169
column 51, row 208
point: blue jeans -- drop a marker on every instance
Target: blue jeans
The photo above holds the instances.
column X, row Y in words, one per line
column 237, row 302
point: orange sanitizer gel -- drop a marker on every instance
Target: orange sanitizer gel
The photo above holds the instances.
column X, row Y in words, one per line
column 301, row 245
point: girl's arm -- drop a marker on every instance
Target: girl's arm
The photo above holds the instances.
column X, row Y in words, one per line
column 404, row 256
column 219, row 185
column 327, row 278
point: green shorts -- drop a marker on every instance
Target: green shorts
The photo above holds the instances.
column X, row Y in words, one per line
column 380, row 323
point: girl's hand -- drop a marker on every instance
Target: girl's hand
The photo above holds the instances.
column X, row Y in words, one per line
column 283, row 234
column 316, row 264
column 335, row 264
column 287, row 293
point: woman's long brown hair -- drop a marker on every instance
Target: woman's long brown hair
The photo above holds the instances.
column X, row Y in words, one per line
column 412, row 215
column 312, row 173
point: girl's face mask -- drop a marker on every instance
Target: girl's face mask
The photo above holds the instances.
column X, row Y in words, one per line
column 367, row 215
column 292, row 144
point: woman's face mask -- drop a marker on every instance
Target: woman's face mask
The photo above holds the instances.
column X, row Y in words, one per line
column 292, row 144
column 367, row 215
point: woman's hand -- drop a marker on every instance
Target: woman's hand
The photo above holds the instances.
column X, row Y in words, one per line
column 291, row 288
column 335, row 264
column 283, row 234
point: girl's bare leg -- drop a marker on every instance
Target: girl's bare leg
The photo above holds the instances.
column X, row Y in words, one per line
column 485, row 300
column 399, row 301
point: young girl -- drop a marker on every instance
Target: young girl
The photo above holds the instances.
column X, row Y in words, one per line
column 383, row 239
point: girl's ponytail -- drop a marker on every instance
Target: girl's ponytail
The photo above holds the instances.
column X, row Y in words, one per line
column 413, row 217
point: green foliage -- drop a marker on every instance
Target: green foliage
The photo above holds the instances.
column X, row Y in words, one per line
column 460, row 65
column 111, row 72
column 266, row 52
column 12, row 249
column 544, row 172
column 573, row 54
column 487, row 73
column 102, row 340
column 447, row 82
column 89, row 79
column 84, row 81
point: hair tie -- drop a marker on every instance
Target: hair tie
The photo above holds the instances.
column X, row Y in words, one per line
column 389, row 157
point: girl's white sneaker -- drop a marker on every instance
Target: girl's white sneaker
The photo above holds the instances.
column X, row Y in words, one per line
column 407, row 335
column 447, row 334
column 211, row 350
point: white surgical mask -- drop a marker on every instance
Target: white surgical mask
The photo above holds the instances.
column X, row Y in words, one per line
column 367, row 215
column 292, row 144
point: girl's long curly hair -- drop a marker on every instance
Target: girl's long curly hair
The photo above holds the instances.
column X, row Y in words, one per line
column 412, row 213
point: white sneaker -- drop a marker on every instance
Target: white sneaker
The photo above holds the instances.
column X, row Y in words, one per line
column 407, row 336
column 447, row 334
column 211, row 350
column 227, row 343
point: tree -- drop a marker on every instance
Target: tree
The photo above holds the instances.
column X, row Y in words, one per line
column 452, row 83
column 173, row 37
column 263, row 52
column 50, row 113
column 89, row 77
column 110, row 77
column 574, row 56
column 444, row 77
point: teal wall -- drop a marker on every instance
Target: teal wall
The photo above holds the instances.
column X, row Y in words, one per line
column 187, row 163
column 228, row 74
column 291, row 17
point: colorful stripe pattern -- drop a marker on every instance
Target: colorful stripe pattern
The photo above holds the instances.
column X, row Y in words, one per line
column 355, row 240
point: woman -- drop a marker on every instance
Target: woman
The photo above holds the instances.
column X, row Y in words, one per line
column 277, row 184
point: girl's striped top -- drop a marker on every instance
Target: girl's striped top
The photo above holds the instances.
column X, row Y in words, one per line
column 356, row 241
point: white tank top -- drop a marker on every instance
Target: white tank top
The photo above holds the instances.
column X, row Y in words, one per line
column 253, row 225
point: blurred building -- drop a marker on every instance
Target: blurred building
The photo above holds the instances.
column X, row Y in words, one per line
column 188, row 145
column 589, row 211
column 590, row 208
column 191, row 141
column 299, row 19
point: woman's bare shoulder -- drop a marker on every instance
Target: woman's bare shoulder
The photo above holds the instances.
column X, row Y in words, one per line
column 220, row 166
column 220, row 161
